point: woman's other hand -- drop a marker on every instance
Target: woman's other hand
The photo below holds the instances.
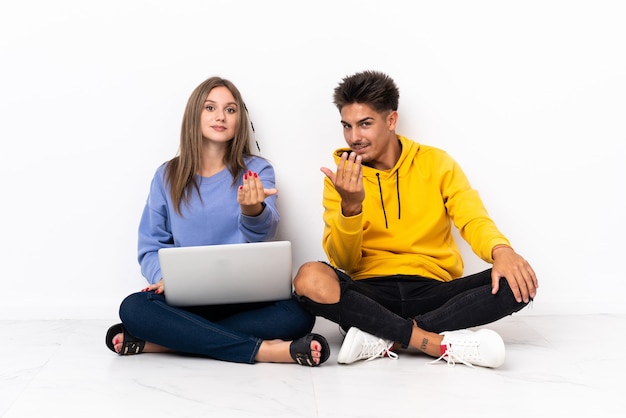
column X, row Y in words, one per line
column 157, row 288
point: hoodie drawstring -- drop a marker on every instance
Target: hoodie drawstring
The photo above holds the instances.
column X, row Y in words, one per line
column 380, row 192
column 398, row 192
column 382, row 203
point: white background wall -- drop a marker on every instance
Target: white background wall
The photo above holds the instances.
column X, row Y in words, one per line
column 528, row 96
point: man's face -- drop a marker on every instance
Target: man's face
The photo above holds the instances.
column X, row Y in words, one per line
column 369, row 134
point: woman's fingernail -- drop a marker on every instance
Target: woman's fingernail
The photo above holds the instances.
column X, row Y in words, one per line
column 256, row 175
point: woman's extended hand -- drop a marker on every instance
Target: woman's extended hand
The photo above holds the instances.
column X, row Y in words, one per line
column 251, row 194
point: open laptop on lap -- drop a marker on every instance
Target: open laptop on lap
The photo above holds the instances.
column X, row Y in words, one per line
column 229, row 273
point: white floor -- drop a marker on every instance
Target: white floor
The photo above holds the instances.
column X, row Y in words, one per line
column 568, row 366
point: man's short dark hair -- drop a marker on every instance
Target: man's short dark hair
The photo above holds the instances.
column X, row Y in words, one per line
column 372, row 88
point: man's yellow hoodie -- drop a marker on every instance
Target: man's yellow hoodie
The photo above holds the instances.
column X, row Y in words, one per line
column 405, row 226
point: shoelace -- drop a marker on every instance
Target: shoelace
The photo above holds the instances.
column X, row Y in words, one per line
column 374, row 345
column 458, row 354
column 375, row 349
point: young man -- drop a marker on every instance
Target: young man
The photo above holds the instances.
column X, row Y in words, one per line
column 394, row 271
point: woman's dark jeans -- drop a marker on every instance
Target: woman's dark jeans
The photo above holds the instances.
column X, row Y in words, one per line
column 387, row 306
column 225, row 332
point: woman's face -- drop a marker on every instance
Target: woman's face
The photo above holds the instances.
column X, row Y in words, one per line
column 219, row 117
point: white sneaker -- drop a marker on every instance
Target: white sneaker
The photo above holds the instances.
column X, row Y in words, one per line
column 481, row 348
column 359, row 345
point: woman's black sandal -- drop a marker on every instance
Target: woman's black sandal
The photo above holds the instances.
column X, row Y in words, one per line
column 131, row 344
column 300, row 350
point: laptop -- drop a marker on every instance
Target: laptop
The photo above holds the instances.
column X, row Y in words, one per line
column 228, row 273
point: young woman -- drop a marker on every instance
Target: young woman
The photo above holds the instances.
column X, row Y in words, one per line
column 213, row 192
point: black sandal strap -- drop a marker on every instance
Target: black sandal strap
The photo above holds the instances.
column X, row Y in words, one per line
column 300, row 350
column 131, row 345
